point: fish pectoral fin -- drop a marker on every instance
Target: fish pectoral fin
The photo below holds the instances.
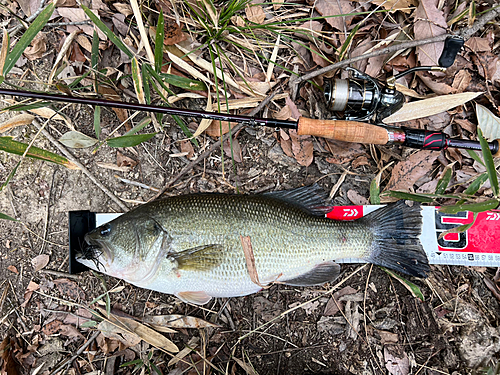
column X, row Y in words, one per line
column 200, row 258
column 198, row 298
column 320, row 274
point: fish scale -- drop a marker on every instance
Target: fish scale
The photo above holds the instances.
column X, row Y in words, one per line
column 190, row 245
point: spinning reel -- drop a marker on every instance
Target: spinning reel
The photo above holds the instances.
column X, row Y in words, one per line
column 364, row 98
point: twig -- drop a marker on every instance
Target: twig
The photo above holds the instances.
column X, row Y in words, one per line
column 80, row 351
column 217, row 144
column 466, row 33
column 71, row 158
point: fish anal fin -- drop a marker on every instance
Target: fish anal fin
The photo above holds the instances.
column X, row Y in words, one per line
column 197, row 298
column 320, row 274
column 200, row 258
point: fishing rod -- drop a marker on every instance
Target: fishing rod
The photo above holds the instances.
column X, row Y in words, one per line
column 340, row 130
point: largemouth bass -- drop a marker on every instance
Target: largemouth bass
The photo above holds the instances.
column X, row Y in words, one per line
column 191, row 245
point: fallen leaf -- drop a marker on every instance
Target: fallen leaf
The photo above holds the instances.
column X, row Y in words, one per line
column 461, row 80
column 187, row 146
column 52, row 327
column 246, row 244
column 360, row 161
column 317, row 56
column 295, row 111
column 217, row 127
column 6, row 350
column 13, row 269
column 488, row 123
column 402, row 5
column 284, row 113
column 75, row 139
column 236, row 148
column 356, row 198
column 173, row 32
column 190, row 346
column 255, row 14
column 333, row 304
column 124, row 161
column 37, row 48
column 343, row 152
column 431, row 106
column 32, row 286
column 387, row 337
column 70, row 289
column 247, row 367
column 405, row 173
column 18, row 120
column 478, row 44
column 110, row 94
column 45, row 113
column 396, row 360
column 430, row 22
column 78, row 15
column 439, row 87
column 40, row 262
column 302, row 148
column 328, row 8
column 178, row 321
column 112, row 331
column 69, row 331
column 124, row 9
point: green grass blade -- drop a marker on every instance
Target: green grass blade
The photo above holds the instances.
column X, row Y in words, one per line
column 107, row 31
column 27, row 37
column 183, row 82
column 409, row 196
column 476, row 184
column 488, row 161
column 137, row 79
column 7, row 144
column 160, row 35
column 473, row 154
column 444, row 181
column 129, row 140
column 490, row 204
column 6, row 217
column 146, row 121
column 25, row 107
column 348, row 42
column 374, row 192
column 414, row 289
column 94, row 57
column 97, row 121
column 11, row 174
column 146, row 78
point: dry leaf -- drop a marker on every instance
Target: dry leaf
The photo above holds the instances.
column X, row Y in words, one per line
column 78, row 15
column 430, row 22
column 247, row 367
column 405, row 173
column 478, row 44
column 488, row 123
column 439, row 87
column 250, row 259
column 178, row 321
column 112, row 331
column 113, row 167
column 295, row 111
column 32, row 286
column 173, row 32
column 284, row 114
column 461, row 81
column 69, row 288
column 40, row 262
column 9, row 366
column 75, row 139
column 217, row 127
column 255, row 14
column 277, row 4
column 37, row 48
column 403, row 5
column 236, row 150
column 190, row 346
column 13, row 269
column 387, row 337
column 334, row 8
column 18, row 120
column 124, row 161
column 124, row 9
column 110, row 94
column 431, row 106
column 358, row 162
column 396, row 360
column 357, row 198
column 52, row 327
column 302, row 148
column 187, row 146
column 343, row 152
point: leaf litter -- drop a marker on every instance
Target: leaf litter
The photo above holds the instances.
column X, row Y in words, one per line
column 311, row 159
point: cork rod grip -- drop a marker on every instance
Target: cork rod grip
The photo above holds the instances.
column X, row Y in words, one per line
column 341, row 130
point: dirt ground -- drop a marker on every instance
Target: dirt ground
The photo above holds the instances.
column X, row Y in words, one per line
column 364, row 323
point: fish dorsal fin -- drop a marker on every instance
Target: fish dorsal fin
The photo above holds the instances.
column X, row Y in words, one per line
column 322, row 273
column 199, row 258
column 198, row 298
column 309, row 198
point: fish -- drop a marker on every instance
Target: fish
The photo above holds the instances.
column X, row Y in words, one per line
column 191, row 245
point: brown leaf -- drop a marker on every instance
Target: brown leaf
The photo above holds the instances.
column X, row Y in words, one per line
column 78, row 15
column 173, row 32
column 405, row 173
column 317, row 56
column 37, row 48
column 387, row 337
column 51, row 327
column 295, row 111
column 237, row 153
column 124, row 9
column 255, row 14
column 396, row 360
column 187, row 146
column 13, row 269
column 358, row 162
column 9, row 365
column 110, row 93
column 302, row 148
column 250, row 259
column 18, row 120
column 335, row 7
column 467, row 125
column 403, row 5
column 461, row 80
column 32, row 286
column 438, row 87
column 343, row 152
column 40, row 262
column 69, row 288
column 356, row 198
column 286, row 146
column 214, row 130
column 430, row 22
column 478, row 44
column 312, row 27
column 333, row 305
column 69, row 330
column 124, row 161
column 284, row 114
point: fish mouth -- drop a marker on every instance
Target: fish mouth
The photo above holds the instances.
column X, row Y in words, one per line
column 94, row 251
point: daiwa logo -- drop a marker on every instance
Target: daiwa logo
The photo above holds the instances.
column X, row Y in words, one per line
column 444, row 222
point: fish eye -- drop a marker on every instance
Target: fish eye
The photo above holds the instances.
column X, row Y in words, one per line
column 105, row 230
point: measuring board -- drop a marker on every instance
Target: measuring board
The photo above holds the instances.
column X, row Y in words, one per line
column 478, row 246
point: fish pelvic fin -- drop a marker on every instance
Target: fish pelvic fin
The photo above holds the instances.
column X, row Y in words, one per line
column 396, row 228
column 197, row 298
column 320, row 274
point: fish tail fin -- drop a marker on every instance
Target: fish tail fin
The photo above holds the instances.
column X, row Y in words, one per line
column 396, row 228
